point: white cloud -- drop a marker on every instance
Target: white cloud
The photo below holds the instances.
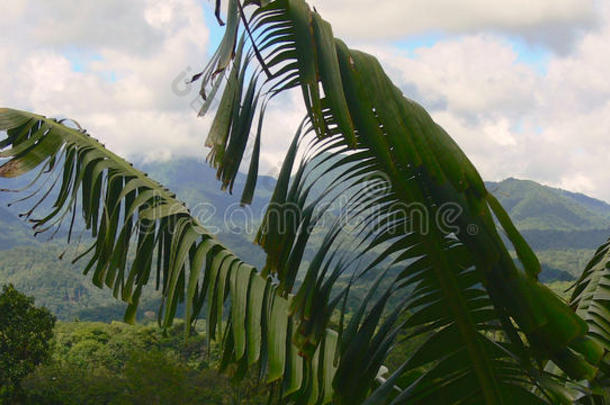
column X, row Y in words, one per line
column 109, row 23
column 471, row 72
column 511, row 118
column 549, row 21
column 130, row 53
column 283, row 116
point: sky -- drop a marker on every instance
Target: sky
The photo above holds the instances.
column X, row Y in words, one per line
column 521, row 85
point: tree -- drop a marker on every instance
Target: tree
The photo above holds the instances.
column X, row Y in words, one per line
column 414, row 202
column 25, row 332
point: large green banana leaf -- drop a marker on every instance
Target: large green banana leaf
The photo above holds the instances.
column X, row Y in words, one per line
column 125, row 212
column 491, row 324
column 591, row 295
column 591, row 300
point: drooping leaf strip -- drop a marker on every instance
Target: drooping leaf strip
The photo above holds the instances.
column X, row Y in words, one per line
column 127, row 211
column 591, row 300
column 369, row 336
column 359, row 112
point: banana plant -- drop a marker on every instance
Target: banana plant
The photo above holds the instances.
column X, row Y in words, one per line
column 130, row 215
column 393, row 197
column 591, row 300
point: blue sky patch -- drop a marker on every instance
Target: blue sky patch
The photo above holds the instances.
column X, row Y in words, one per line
column 216, row 31
column 80, row 61
column 536, row 56
column 414, row 42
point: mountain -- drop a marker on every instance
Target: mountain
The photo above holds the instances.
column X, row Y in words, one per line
column 533, row 206
column 563, row 227
column 33, row 264
column 14, row 232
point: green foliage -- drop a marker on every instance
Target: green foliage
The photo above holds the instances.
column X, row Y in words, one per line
column 64, row 383
column 459, row 285
column 25, row 331
column 116, row 363
column 590, row 296
column 60, row 286
column 155, row 378
column 109, row 344
column 143, row 234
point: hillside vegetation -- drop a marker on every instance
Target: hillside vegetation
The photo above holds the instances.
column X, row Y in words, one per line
column 116, row 363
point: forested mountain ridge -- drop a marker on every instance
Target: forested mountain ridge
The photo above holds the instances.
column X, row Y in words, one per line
column 562, row 227
column 533, row 206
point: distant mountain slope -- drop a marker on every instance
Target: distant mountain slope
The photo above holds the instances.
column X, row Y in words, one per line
column 60, row 286
column 13, row 231
column 534, row 206
column 195, row 182
column 33, row 264
column 562, row 227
